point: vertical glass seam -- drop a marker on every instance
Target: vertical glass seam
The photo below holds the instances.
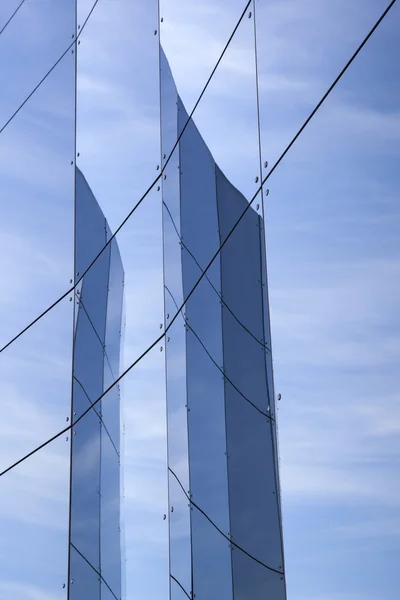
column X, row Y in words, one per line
column 75, row 8
column 225, row 382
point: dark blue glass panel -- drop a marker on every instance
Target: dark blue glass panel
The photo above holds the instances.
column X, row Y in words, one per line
column 114, row 308
column 212, row 568
column 85, row 509
column 255, row 518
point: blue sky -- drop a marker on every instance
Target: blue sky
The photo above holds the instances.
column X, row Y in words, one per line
column 333, row 219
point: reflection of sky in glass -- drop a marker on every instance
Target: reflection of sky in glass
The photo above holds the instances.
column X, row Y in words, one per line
column 332, row 224
column 95, row 500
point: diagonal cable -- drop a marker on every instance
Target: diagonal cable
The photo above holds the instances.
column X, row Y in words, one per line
column 6, row 24
column 277, row 571
column 38, row 85
column 77, row 281
column 157, row 340
column 212, row 285
column 181, row 586
column 94, row 569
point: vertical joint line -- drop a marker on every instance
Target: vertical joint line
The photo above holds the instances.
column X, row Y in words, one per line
column 75, row 6
column 258, row 107
column 164, row 294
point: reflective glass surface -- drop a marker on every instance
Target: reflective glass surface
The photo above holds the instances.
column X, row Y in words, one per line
column 95, row 469
column 118, row 141
column 177, row 408
column 204, row 355
column 36, row 266
column 225, row 368
column 255, row 518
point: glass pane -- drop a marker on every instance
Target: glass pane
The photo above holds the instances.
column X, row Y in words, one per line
column 212, row 566
column 204, row 359
column 110, row 514
column 85, row 510
column 255, row 516
column 118, row 140
column 36, row 264
column 177, row 407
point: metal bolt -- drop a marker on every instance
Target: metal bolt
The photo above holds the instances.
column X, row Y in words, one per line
column 162, row 19
column 256, row 180
column 266, row 165
column 250, row 15
column 161, row 348
column 266, row 192
column 257, row 207
column 155, row 32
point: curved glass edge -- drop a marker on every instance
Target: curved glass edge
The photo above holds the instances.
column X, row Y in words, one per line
column 95, row 457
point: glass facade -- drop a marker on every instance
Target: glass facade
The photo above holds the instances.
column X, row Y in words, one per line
column 224, row 506
column 225, row 523
column 95, row 547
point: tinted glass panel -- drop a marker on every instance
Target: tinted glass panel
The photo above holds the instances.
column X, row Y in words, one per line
column 255, row 519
